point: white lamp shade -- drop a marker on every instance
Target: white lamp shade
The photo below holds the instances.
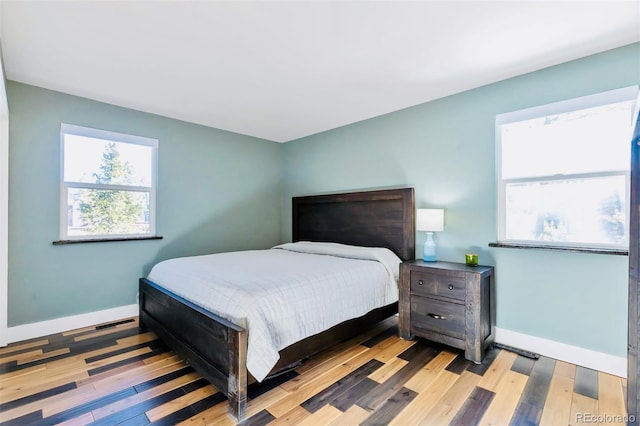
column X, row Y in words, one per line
column 430, row 220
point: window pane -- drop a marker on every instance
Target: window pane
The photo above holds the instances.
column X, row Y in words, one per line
column 93, row 160
column 105, row 212
column 583, row 141
column 583, row 211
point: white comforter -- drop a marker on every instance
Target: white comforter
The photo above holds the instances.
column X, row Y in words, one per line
column 285, row 294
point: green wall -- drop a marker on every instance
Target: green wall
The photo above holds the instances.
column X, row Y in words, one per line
column 214, row 184
column 445, row 150
column 217, row 191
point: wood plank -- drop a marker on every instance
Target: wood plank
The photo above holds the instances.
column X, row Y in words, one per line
column 498, row 368
column 453, row 399
column 391, row 367
column 137, row 408
column 582, row 408
column 86, row 407
column 143, row 337
column 353, row 416
column 508, row 392
column 320, row 382
column 134, row 374
column 216, row 415
column 259, row 419
column 38, row 405
column 112, row 324
column 557, row 408
column 523, row 365
column 20, row 356
column 19, row 374
column 382, row 392
column 190, row 410
column 341, row 386
column 145, row 395
column 474, row 407
column 459, row 364
column 348, row 399
column 126, row 393
column 391, row 331
column 82, row 420
column 355, row 341
column 323, row 416
column 417, row 411
column 109, row 385
column 565, row 369
column 122, row 350
column 611, row 407
column 486, row 363
column 318, row 370
column 17, row 391
column 181, row 402
column 293, row 417
column 259, row 388
column 586, row 382
column 16, row 347
column 27, row 419
column 392, row 348
column 531, row 404
column 67, row 366
column 425, row 376
column 40, row 356
column 390, row 408
column 117, row 358
column 265, row 400
column 106, row 332
column 38, row 397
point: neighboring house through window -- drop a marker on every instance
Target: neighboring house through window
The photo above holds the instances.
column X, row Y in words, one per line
column 108, row 184
column 563, row 172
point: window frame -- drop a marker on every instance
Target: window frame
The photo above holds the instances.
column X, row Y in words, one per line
column 65, row 186
column 625, row 94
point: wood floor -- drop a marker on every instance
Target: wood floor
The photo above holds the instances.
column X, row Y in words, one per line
column 112, row 374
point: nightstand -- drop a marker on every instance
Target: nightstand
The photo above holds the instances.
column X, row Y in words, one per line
column 449, row 303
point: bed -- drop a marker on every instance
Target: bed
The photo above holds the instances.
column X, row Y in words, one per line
column 217, row 347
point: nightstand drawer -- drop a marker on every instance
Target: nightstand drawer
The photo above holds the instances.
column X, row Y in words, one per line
column 437, row 316
column 430, row 284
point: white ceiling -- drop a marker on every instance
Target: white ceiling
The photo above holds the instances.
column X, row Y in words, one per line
column 284, row 70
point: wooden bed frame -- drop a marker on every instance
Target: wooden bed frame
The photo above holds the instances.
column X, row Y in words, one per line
column 217, row 348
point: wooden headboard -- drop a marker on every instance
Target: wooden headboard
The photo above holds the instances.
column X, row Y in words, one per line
column 382, row 218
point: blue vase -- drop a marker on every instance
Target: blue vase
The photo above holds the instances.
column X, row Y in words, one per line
column 430, row 250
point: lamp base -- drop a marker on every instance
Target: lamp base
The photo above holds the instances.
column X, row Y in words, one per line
column 429, row 254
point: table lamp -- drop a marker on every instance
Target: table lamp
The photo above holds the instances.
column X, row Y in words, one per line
column 430, row 220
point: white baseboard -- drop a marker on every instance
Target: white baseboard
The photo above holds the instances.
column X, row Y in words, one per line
column 574, row 354
column 59, row 325
column 600, row 361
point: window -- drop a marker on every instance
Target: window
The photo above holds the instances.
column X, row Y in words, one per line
column 563, row 172
column 108, row 185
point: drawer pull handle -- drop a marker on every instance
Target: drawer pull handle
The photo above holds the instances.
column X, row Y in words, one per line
column 450, row 286
column 436, row 316
column 420, row 282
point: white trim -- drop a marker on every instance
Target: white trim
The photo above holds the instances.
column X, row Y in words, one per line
column 59, row 325
column 607, row 363
column 72, row 129
column 4, row 207
column 4, row 228
column 90, row 132
column 625, row 94
column 604, row 98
